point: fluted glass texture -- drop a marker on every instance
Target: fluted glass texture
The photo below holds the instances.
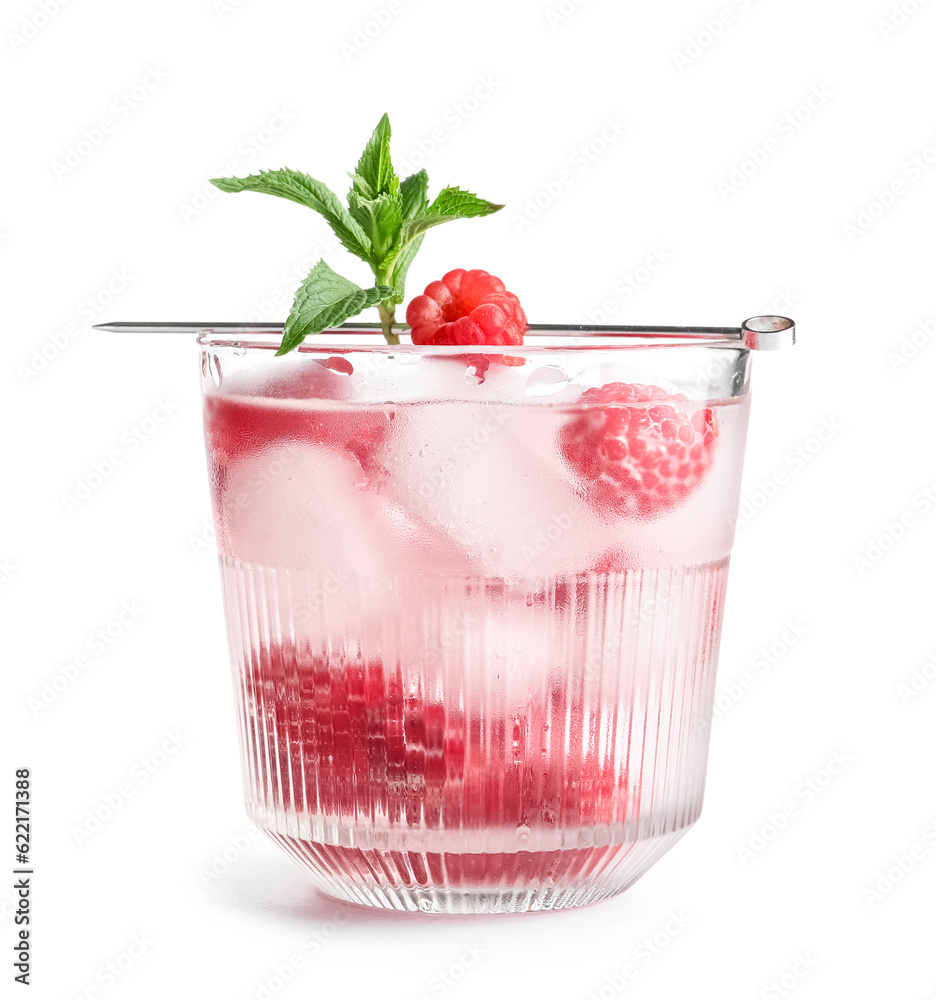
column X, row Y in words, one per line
column 473, row 607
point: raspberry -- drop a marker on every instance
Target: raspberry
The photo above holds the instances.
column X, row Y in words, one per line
column 642, row 451
column 466, row 307
column 363, row 739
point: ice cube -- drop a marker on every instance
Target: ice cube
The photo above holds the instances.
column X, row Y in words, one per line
column 490, row 477
column 296, row 504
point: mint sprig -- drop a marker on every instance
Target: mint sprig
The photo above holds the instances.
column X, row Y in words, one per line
column 305, row 190
column 384, row 225
column 325, row 299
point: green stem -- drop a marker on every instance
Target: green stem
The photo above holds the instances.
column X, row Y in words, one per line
column 387, row 319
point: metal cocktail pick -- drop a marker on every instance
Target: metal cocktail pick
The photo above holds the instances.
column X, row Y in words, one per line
column 759, row 333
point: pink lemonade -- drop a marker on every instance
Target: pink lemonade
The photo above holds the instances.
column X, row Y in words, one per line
column 473, row 605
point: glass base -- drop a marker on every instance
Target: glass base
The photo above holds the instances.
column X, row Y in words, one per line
column 476, row 883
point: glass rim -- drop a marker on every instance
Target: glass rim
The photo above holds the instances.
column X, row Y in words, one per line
column 346, row 338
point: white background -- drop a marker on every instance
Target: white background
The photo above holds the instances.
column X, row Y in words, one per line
column 507, row 93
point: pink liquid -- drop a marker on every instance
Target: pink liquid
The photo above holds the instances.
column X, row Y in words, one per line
column 437, row 717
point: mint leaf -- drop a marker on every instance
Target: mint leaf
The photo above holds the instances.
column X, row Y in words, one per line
column 305, row 190
column 325, row 299
column 375, row 174
column 415, row 193
column 381, row 219
column 453, row 203
column 401, row 267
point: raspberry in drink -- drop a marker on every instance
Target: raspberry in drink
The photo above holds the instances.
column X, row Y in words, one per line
column 474, row 624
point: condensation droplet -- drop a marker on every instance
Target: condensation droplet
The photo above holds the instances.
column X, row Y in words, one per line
column 546, row 380
column 341, row 366
column 477, row 369
column 389, row 410
column 214, row 369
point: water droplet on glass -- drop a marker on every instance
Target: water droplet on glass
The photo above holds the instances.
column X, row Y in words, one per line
column 546, row 380
column 341, row 366
column 477, row 369
column 389, row 410
column 214, row 369
column 529, row 600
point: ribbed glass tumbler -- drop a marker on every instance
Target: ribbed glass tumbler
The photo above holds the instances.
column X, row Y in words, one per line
column 473, row 603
